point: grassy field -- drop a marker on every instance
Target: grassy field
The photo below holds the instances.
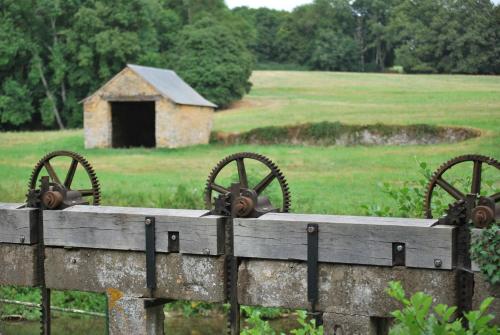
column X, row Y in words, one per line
column 322, row 179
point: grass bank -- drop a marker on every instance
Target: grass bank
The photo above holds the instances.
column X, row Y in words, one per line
column 327, row 179
column 337, row 180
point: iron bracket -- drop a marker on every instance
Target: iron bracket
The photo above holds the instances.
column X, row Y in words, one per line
column 465, row 277
column 398, row 254
column 312, row 265
column 173, row 241
column 150, row 231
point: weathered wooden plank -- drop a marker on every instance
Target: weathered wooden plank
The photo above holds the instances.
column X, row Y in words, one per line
column 345, row 239
column 17, row 224
column 122, row 228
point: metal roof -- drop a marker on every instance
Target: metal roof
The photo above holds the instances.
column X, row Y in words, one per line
column 169, row 84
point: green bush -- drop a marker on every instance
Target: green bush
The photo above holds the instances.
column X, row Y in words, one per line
column 258, row 326
column 327, row 133
column 416, row 317
column 87, row 301
column 309, row 327
column 486, row 252
column 190, row 308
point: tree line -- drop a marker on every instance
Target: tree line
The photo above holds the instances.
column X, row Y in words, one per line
column 53, row 53
column 421, row 36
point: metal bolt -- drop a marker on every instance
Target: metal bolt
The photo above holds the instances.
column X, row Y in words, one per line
column 148, row 222
column 73, row 260
column 173, row 237
column 399, row 247
column 206, row 251
column 438, row 263
column 311, row 229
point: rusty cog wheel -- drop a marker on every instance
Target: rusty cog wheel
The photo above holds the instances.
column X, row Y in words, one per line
column 94, row 191
column 460, row 197
column 239, row 158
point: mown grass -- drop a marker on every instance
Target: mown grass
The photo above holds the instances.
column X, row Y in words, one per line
column 327, row 179
column 336, row 180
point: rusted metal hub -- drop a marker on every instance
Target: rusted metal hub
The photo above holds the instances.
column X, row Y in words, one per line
column 241, row 199
column 243, row 206
column 482, row 216
column 52, row 199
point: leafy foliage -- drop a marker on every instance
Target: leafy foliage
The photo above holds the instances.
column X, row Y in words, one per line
column 309, row 327
column 445, row 36
column 87, row 301
column 486, row 252
column 335, row 52
column 408, row 198
column 54, row 53
column 329, row 133
column 257, row 325
column 211, row 58
column 416, row 317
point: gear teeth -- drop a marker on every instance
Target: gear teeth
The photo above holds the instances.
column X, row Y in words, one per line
column 249, row 155
column 446, row 166
column 84, row 162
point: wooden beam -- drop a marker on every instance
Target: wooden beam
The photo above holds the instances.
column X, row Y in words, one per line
column 18, row 225
column 122, row 228
column 112, row 98
column 345, row 239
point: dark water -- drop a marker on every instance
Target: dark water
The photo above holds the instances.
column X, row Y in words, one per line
column 178, row 325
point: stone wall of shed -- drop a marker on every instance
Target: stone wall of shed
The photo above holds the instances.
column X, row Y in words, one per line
column 97, row 123
column 97, row 110
column 176, row 125
column 182, row 125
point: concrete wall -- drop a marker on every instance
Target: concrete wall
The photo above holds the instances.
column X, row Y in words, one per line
column 176, row 125
column 352, row 297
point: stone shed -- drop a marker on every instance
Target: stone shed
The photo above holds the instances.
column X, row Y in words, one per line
column 146, row 107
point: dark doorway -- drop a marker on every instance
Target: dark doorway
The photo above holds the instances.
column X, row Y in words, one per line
column 133, row 124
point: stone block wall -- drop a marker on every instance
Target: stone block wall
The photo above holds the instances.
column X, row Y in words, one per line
column 182, row 125
column 176, row 125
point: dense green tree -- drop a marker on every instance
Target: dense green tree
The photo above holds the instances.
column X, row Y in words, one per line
column 191, row 10
column 373, row 33
column 335, row 52
column 445, row 36
column 53, row 53
column 210, row 57
column 309, row 35
column 15, row 97
column 263, row 38
column 295, row 38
